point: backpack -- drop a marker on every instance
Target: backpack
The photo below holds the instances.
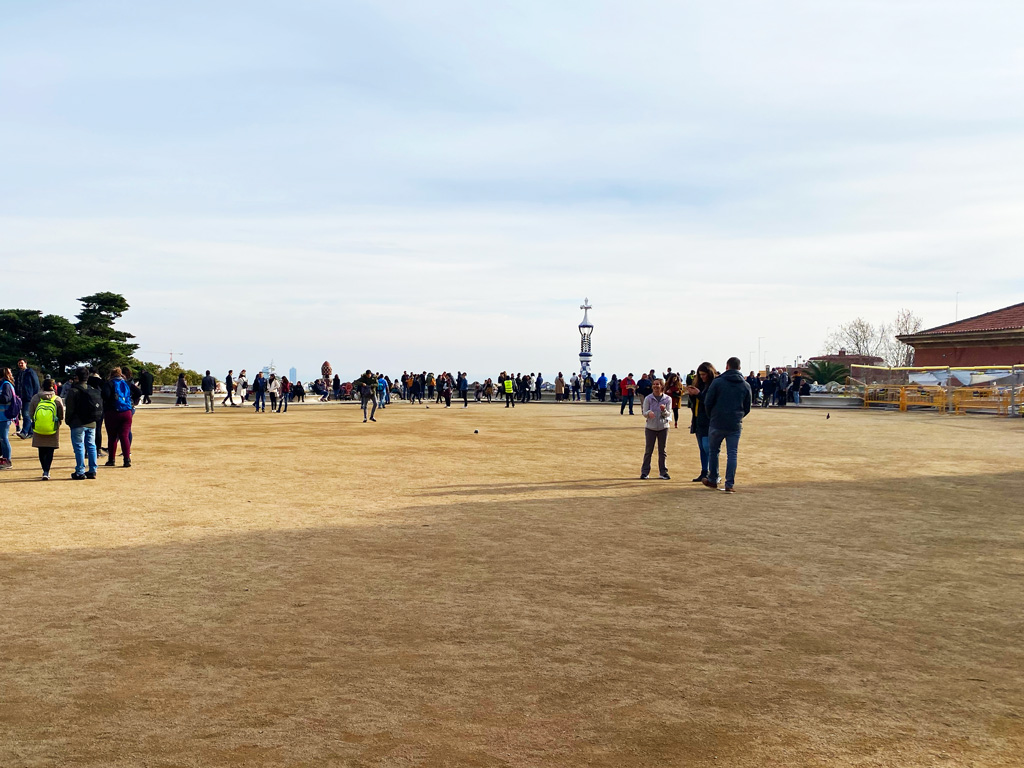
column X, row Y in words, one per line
column 90, row 402
column 123, row 394
column 45, row 418
column 14, row 405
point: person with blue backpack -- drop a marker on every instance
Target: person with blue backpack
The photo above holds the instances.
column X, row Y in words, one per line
column 47, row 414
column 118, row 411
column 10, row 409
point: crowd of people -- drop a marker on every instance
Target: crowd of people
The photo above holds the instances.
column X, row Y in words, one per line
column 88, row 402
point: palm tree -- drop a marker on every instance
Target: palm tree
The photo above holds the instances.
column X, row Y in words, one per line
column 823, row 371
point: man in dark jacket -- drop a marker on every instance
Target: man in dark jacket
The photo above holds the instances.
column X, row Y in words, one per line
column 755, row 385
column 727, row 401
column 26, row 385
column 83, row 411
column 146, row 385
column 209, row 386
column 229, row 386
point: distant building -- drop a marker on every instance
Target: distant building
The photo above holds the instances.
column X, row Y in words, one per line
column 844, row 359
column 293, row 375
column 994, row 338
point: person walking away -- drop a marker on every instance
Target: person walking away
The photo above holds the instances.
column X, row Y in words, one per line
column 274, row 389
column 84, row 410
column 26, row 385
column 700, row 422
column 464, row 389
column 559, row 387
column 657, row 410
column 229, row 386
column 602, row 387
column 181, row 391
column 117, row 414
column 728, row 402
column 627, row 388
column 10, row 410
column 259, row 393
column 367, row 386
column 613, row 389
column 47, row 412
column 208, row 385
column 335, row 386
column 146, row 385
column 538, row 384
column 588, row 385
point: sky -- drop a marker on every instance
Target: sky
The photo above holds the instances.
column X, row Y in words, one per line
column 428, row 186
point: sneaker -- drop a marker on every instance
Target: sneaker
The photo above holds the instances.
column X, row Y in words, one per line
column 698, row 479
column 709, row 484
column 90, row 475
column 665, row 476
column 643, row 477
column 76, row 476
column 109, row 463
column 22, row 435
column 364, row 421
column 127, row 463
column 46, row 476
column 729, row 489
column 372, row 419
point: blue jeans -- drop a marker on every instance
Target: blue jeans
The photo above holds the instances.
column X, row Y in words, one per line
column 258, row 399
column 796, row 397
column 83, row 441
column 732, row 447
column 26, row 418
column 702, row 446
column 626, row 400
column 588, row 394
column 5, row 441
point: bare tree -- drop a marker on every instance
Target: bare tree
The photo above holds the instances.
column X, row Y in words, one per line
column 859, row 337
column 895, row 352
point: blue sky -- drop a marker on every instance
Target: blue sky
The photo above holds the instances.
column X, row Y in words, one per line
column 397, row 185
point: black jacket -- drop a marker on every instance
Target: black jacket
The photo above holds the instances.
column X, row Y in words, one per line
column 727, row 401
column 82, row 406
column 146, row 382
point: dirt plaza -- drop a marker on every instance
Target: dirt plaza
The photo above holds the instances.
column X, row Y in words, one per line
column 304, row 589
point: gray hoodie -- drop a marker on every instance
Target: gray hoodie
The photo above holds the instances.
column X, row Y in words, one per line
column 728, row 401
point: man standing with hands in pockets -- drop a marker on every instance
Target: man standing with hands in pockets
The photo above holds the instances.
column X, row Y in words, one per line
column 657, row 410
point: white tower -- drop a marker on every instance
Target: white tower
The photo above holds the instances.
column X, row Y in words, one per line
column 585, row 330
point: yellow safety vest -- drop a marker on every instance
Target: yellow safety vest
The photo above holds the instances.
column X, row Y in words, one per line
column 508, row 386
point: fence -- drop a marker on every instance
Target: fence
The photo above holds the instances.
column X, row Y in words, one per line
column 995, row 389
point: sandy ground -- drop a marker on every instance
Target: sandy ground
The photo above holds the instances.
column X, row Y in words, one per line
column 309, row 590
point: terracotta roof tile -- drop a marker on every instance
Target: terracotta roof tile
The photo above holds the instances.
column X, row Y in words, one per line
column 1003, row 319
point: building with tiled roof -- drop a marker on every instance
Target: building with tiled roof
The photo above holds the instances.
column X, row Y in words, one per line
column 994, row 338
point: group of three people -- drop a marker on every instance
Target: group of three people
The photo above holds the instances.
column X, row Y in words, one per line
column 718, row 405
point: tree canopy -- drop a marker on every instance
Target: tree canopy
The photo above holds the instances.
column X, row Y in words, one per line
column 54, row 344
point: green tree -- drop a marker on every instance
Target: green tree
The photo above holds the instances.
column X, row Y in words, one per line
column 47, row 342
column 102, row 345
column 823, row 371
